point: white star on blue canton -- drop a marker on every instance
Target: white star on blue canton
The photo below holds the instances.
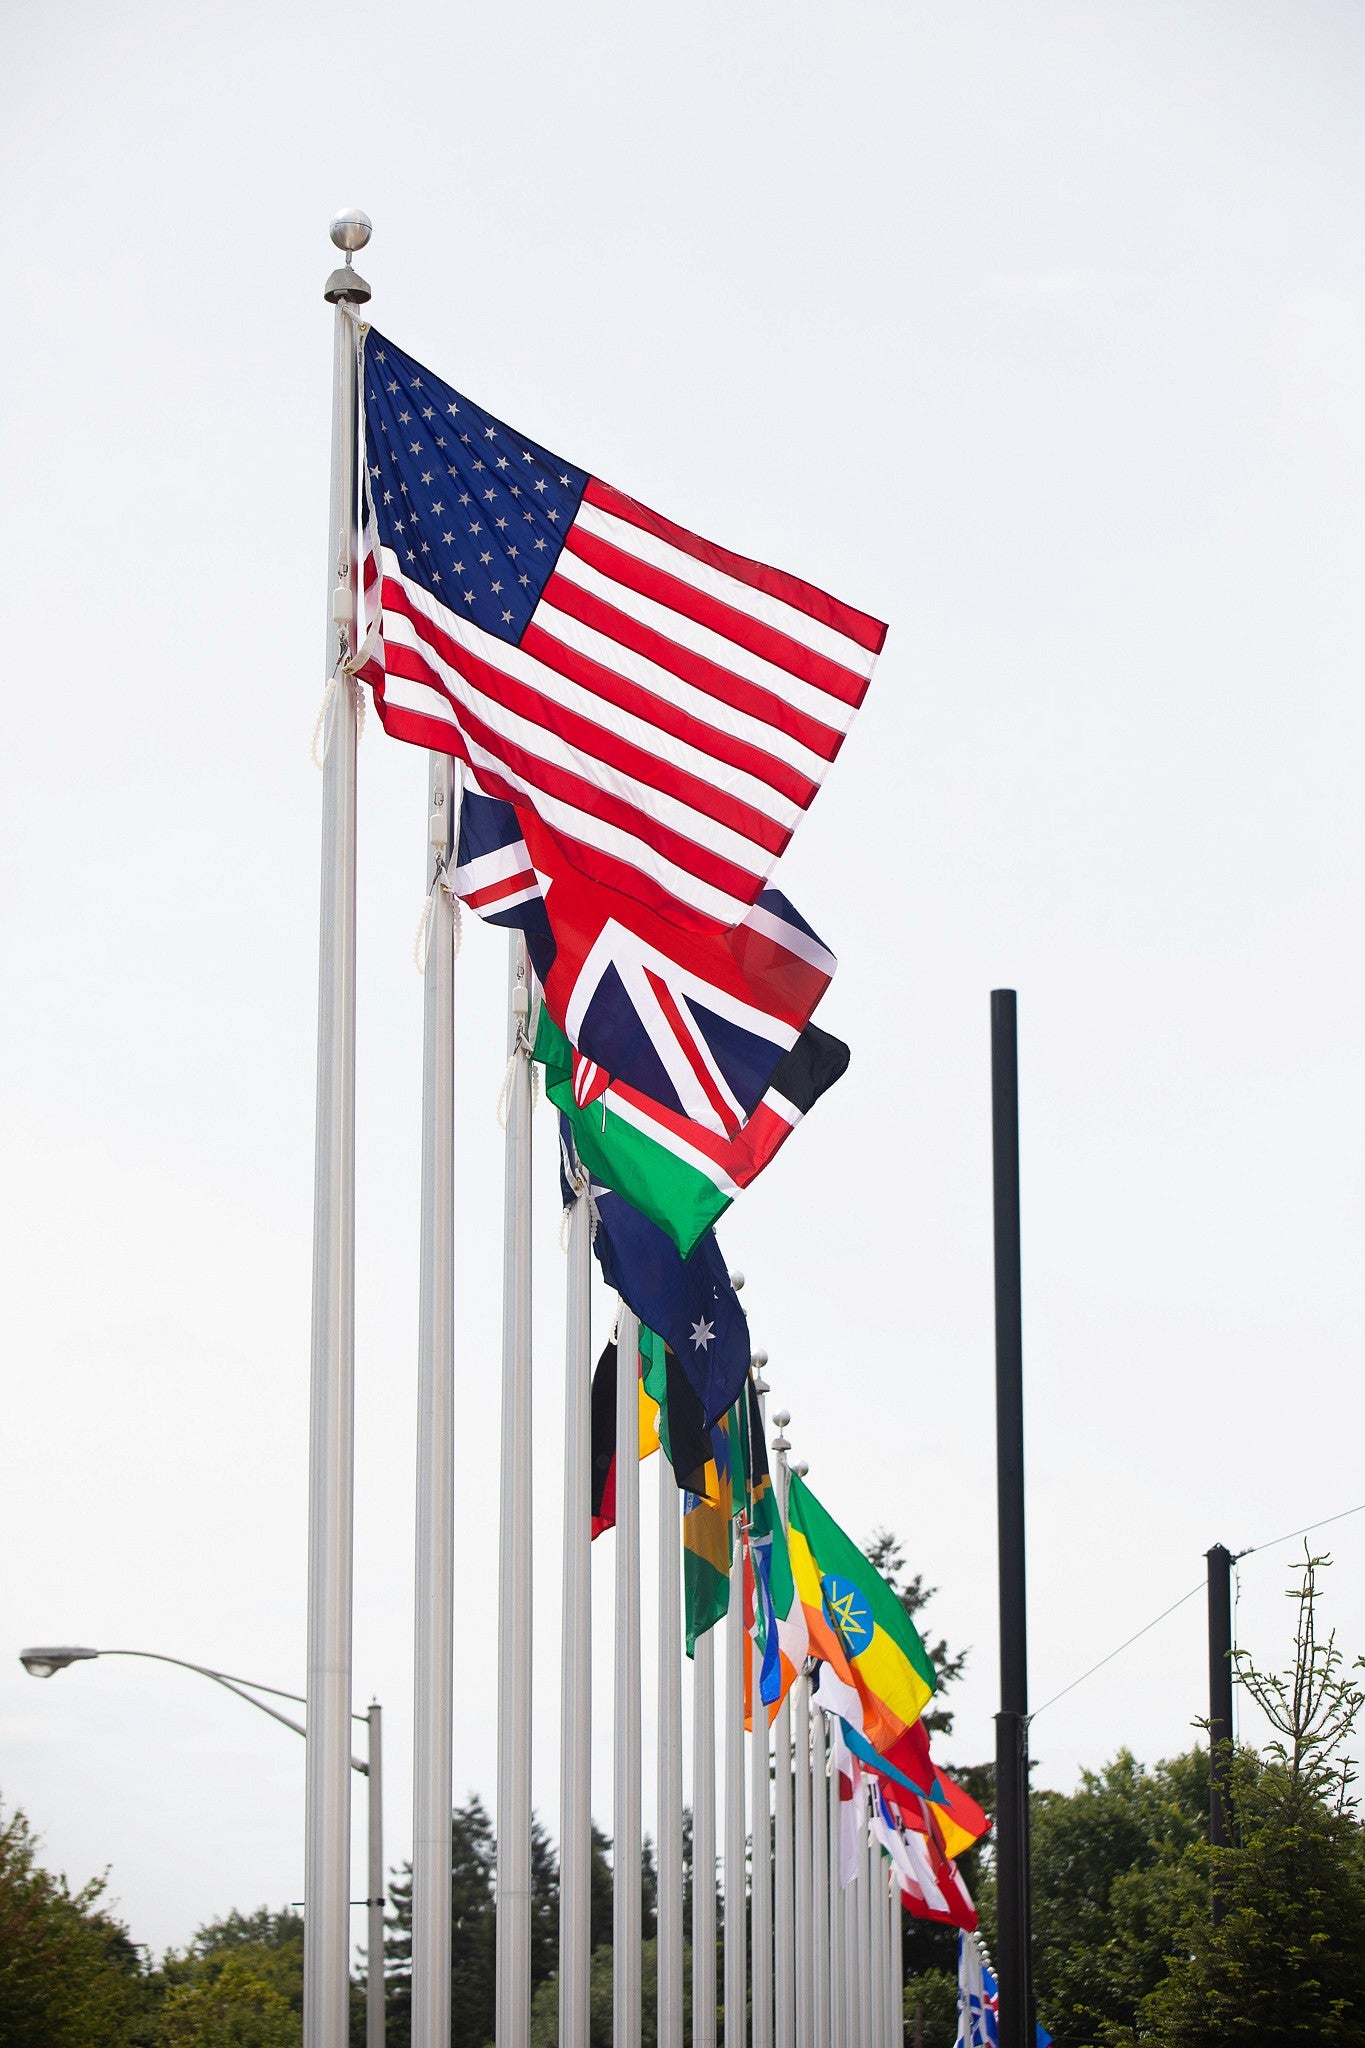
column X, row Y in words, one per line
column 703, row 1333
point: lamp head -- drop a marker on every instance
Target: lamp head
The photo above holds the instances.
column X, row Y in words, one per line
column 42, row 1663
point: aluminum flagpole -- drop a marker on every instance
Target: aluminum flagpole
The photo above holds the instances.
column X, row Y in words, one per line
column 838, row 1968
column 626, row 2009
column 876, row 1898
column 897, row 1968
column 670, row 1792
column 736, row 1647
column 575, row 1675
column 433, row 1685
column 802, row 1852
column 784, row 1965
column 853, row 1961
column 331, row 1425
column 704, row 1841
column 819, row 1929
column 513, row 1967
column 760, row 1881
column 802, row 1860
column 867, row 2000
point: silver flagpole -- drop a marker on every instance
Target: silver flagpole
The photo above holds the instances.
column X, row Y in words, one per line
column 704, row 1841
column 802, row 1856
column 736, row 1648
column 897, row 1969
column 802, row 1852
column 575, row 1676
column 784, row 1979
column 819, row 1886
column 868, row 2001
column 876, row 1893
column 889, row 1971
column 853, row 1963
column 838, row 1969
column 513, row 1969
column 760, row 1882
column 626, row 2009
column 433, row 1685
column 670, row 1949
column 331, row 1423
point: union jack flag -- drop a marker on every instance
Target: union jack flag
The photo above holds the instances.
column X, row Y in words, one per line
column 665, row 708
column 698, row 1022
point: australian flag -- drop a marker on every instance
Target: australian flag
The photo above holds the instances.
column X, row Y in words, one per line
column 689, row 1302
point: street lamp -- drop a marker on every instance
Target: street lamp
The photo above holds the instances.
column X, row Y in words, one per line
column 45, row 1660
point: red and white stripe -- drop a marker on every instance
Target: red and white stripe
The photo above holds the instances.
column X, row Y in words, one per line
column 671, row 711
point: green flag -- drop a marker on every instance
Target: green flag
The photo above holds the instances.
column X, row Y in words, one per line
column 621, row 1141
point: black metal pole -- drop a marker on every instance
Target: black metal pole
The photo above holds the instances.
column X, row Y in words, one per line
column 1220, row 1707
column 1014, row 1934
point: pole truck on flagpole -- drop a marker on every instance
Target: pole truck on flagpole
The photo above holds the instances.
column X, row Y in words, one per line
column 331, row 1425
column 433, row 1659
column 513, row 1964
column 1011, row 1723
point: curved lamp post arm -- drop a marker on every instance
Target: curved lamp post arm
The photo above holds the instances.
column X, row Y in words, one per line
column 44, row 1662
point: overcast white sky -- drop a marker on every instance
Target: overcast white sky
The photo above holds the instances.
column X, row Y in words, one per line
column 1035, row 330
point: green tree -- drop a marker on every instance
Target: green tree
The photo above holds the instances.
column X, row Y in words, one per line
column 69, row 1975
column 473, row 1935
column 1286, row 1962
column 230, row 2006
column 1113, row 1889
column 933, row 1994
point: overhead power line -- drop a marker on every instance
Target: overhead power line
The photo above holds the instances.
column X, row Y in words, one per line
column 1250, row 1551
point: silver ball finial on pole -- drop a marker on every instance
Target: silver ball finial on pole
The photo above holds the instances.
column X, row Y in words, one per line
column 350, row 231
column 736, row 1280
column 782, row 1418
column 801, row 1470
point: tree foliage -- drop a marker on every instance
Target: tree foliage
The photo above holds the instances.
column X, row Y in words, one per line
column 69, row 1975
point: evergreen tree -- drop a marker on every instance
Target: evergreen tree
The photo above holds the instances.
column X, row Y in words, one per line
column 473, row 1863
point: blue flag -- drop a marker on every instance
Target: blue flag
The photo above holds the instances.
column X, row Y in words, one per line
column 690, row 1302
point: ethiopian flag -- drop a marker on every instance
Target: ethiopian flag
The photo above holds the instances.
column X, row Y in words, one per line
column 855, row 1622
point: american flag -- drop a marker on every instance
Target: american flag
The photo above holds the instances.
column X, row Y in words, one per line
column 666, row 708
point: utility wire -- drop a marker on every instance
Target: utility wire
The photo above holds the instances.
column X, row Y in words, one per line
column 1116, row 1653
column 1250, row 1551
column 1306, row 1530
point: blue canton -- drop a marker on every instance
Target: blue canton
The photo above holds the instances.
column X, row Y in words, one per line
column 474, row 512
